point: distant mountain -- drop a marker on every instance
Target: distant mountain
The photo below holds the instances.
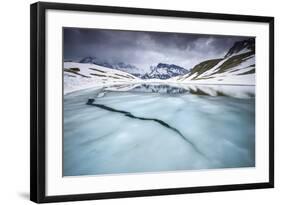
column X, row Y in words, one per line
column 96, row 61
column 128, row 68
column 236, row 67
column 165, row 71
column 161, row 71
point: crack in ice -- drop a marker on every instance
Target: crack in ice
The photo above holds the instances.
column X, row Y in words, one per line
column 128, row 114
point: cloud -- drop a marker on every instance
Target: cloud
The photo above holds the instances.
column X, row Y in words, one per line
column 145, row 48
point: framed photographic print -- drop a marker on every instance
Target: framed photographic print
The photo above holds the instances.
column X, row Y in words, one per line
column 129, row 102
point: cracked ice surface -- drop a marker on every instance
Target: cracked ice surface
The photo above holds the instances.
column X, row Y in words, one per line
column 158, row 128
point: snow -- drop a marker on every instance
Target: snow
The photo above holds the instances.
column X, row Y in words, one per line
column 99, row 76
column 73, row 82
column 229, row 77
column 243, row 67
column 184, row 78
column 212, row 70
column 244, row 50
column 221, row 80
column 84, row 69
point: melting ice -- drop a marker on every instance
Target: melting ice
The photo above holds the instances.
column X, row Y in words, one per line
column 152, row 128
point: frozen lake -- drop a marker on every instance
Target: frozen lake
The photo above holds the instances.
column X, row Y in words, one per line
column 153, row 128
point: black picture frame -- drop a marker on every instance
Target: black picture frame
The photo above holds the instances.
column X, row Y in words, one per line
column 38, row 101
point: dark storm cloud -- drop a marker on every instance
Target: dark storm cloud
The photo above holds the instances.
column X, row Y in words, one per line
column 145, row 48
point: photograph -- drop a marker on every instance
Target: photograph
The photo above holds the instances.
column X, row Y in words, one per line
column 137, row 102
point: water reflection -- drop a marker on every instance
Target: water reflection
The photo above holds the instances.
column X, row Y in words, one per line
column 236, row 91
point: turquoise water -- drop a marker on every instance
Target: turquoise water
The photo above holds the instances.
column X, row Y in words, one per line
column 153, row 128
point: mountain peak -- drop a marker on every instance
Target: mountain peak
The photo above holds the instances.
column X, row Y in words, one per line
column 165, row 71
column 88, row 59
column 170, row 66
column 239, row 46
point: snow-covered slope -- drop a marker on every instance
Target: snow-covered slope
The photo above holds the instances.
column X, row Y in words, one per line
column 83, row 75
column 241, row 47
column 237, row 67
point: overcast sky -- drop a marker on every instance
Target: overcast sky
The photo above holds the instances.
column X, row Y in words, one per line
column 144, row 49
